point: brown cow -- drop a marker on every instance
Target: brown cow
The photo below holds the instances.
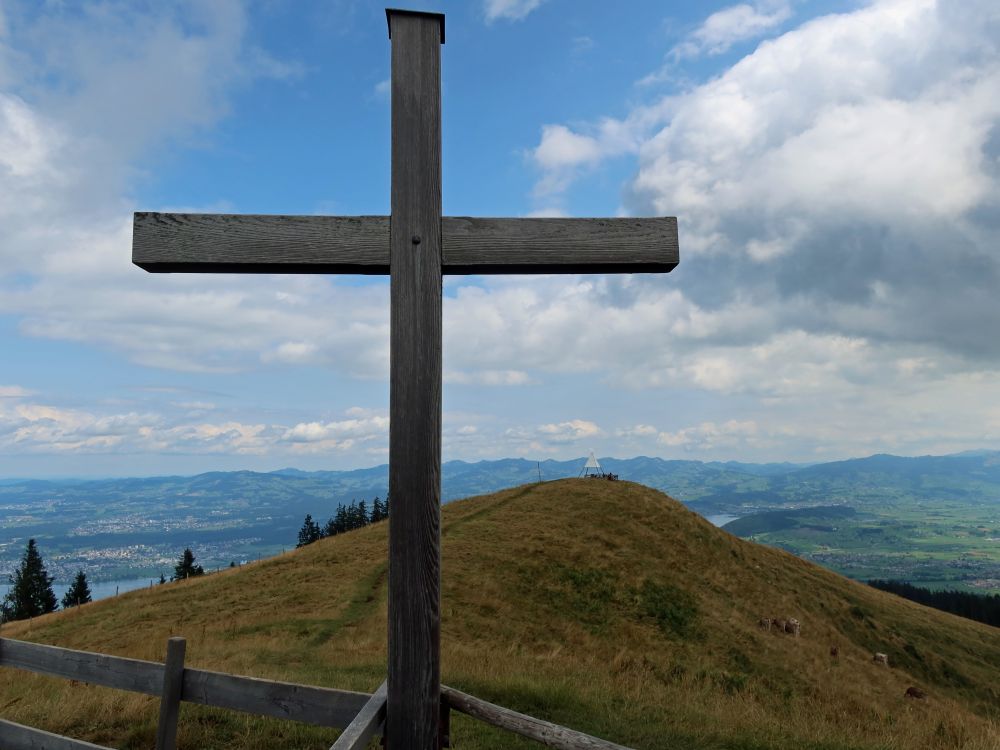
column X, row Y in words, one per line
column 764, row 623
column 779, row 623
column 793, row 626
column 880, row 658
column 915, row 692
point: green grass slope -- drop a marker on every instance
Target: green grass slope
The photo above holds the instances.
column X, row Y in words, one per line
column 604, row 606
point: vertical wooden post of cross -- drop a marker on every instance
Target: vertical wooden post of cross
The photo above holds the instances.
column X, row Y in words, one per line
column 414, row 672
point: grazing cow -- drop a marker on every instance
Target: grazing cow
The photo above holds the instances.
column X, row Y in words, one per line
column 765, row 623
column 793, row 626
column 880, row 658
column 834, row 651
column 779, row 624
column 915, row 692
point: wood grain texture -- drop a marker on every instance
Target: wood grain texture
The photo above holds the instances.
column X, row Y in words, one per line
column 97, row 669
column 415, row 386
column 19, row 737
column 544, row 732
column 484, row 245
column 366, row 724
column 170, row 695
column 323, row 707
column 227, row 243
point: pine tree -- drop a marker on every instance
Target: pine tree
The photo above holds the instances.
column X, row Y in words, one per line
column 340, row 520
column 362, row 514
column 376, row 515
column 78, row 593
column 309, row 533
column 30, row 593
column 185, row 567
column 330, row 528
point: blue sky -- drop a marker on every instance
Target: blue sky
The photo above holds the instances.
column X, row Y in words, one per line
column 834, row 167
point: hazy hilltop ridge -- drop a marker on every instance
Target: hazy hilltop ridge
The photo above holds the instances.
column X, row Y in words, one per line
column 606, row 606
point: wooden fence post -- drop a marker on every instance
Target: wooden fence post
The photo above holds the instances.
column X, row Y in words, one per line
column 170, row 698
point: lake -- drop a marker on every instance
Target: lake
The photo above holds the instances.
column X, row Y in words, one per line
column 101, row 590
column 721, row 519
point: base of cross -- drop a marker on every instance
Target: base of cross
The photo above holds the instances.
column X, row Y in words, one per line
column 370, row 722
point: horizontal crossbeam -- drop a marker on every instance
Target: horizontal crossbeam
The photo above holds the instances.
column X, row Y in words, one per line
column 234, row 243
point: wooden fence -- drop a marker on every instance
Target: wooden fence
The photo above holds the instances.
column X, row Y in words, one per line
column 360, row 715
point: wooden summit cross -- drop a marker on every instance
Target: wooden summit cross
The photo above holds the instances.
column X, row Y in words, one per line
column 415, row 246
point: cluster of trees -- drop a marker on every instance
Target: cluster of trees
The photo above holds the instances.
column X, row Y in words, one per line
column 347, row 518
column 31, row 594
column 981, row 607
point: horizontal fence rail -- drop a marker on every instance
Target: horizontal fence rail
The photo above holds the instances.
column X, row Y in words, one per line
column 545, row 732
column 19, row 737
column 325, row 707
column 133, row 675
column 360, row 715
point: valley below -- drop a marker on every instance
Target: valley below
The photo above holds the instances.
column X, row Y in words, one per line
column 933, row 521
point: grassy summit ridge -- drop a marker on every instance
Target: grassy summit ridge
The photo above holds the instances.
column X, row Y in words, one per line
column 604, row 606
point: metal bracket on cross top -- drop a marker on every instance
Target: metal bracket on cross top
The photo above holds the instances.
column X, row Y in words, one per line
column 415, row 246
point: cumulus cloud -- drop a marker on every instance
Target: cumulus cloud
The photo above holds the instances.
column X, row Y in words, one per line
column 837, row 194
column 314, row 437
column 62, row 155
column 13, row 391
column 737, row 23
column 552, row 438
column 563, row 153
column 34, row 427
column 512, row 10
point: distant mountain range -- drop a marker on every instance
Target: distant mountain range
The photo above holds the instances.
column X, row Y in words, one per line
column 116, row 527
column 709, row 487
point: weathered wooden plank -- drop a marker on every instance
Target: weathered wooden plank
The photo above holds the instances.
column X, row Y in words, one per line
column 545, row 732
column 366, row 724
column 415, row 385
column 485, row 245
column 98, row 669
column 170, row 696
column 19, row 737
column 319, row 706
column 229, row 243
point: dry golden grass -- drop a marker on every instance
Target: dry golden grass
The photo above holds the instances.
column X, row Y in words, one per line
column 603, row 606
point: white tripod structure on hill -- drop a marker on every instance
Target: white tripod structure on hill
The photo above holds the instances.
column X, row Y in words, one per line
column 592, row 464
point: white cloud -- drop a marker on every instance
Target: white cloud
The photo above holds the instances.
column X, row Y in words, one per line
column 636, row 431
column 838, row 198
column 563, row 153
column 14, row 391
column 737, row 23
column 513, row 10
column 31, row 427
column 548, row 212
column 487, row 377
column 316, row 437
column 709, row 436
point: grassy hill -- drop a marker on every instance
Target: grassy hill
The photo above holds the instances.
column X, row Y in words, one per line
column 604, row 606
